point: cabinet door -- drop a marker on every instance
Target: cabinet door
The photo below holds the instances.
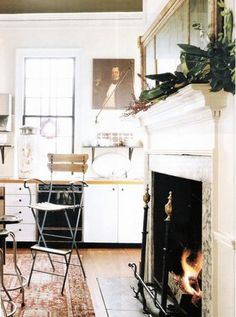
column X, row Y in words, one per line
column 100, row 213
column 130, row 219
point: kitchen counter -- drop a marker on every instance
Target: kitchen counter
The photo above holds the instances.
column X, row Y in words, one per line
column 88, row 181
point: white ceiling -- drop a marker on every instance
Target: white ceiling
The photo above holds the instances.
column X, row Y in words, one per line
column 61, row 6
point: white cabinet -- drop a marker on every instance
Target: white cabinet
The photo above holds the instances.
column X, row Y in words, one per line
column 16, row 201
column 113, row 213
column 130, row 213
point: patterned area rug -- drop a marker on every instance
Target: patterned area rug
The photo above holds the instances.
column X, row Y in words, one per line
column 43, row 297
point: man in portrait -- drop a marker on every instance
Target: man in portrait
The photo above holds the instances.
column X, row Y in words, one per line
column 112, row 83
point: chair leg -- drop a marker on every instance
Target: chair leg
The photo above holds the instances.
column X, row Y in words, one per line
column 80, row 261
column 67, row 261
column 41, row 237
column 3, row 311
column 17, row 269
column 2, row 275
column 34, row 254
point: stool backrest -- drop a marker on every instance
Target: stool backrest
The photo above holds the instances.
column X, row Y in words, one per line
column 68, row 162
column 74, row 163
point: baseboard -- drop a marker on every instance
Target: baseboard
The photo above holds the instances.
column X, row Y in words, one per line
column 28, row 244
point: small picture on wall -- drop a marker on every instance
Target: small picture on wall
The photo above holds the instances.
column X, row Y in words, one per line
column 112, row 83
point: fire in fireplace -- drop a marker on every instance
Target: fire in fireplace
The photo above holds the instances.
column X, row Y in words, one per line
column 190, row 281
column 184, row 258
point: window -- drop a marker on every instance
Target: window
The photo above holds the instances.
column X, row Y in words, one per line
column 49, row 100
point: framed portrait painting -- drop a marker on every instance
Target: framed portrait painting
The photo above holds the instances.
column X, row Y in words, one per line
column 112, row 83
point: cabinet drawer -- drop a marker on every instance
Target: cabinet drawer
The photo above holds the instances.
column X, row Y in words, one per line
column 23, row 212
column 16, row 189
column 23, row 232
column 18, row 200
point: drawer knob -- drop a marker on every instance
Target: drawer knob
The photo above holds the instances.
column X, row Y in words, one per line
column 19, row 199
column 19, row 188
column 20, row 229
column 20, row 212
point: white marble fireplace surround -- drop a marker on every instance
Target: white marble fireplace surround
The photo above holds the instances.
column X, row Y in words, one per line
column 182, row 139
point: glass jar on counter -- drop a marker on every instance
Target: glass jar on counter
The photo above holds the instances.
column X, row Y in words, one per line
column 27, row 151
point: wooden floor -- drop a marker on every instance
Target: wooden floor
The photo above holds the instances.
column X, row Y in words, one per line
column 104, row 262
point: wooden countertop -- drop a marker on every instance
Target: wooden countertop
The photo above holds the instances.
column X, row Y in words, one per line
column 89, row 181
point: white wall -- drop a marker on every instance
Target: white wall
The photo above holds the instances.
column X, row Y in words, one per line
column 151, row 10
column 95, row 35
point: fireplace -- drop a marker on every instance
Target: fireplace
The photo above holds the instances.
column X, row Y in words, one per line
column 185, row 233
column 185, row 137
column 189, row 179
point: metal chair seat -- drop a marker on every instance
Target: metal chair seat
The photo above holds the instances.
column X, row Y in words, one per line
column 51, row 207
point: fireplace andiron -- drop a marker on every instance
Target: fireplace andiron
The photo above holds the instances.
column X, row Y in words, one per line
column 153, row 289
column 146, row 199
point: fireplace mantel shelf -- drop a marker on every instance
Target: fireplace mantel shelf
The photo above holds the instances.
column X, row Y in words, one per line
column 192, row 104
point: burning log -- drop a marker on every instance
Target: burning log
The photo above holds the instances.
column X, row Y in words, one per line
column 189, row 280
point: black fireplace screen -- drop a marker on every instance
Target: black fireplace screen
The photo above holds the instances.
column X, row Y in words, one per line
column 186, row 224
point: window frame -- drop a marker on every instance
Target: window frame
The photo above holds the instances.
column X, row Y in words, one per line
column 21, row 55
column 72, row 116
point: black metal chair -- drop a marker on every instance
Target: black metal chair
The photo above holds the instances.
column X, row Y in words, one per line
column 60, row 163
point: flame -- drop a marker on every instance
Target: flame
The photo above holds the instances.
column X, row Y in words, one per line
column 191, row 271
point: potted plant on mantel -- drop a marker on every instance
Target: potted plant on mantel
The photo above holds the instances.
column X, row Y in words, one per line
column 214, row 65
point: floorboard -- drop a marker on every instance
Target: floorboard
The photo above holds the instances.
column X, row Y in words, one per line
column 104, row 263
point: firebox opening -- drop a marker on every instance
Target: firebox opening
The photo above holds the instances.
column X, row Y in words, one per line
column 186, row 224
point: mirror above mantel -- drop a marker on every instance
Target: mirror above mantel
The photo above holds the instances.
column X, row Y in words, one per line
column 158, row 45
